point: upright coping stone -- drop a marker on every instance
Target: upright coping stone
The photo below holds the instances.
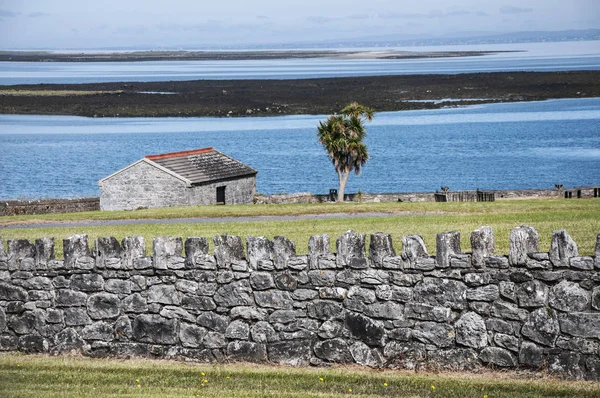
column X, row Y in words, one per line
column 44, row 252
column 318, row 245
column 413, row 248
column 163, row 249
column 21, row 255
column 523, row 240
column 4, row 257
column 380, row 247
column 260, row 251
column 196, row 250
column 76, row 251
column 228, row 249
column 350, row 249
column 562, row 248
column 108, row 253
column 447, row 244
column 482, row 245
column 596, row 253
column 134, row 248
column 283, row 250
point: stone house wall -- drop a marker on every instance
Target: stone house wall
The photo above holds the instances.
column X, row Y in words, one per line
column 265, row 303
column 145, row 186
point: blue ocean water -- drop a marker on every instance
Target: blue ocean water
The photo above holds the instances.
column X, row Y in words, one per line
column 541, row 57
column 493, row 146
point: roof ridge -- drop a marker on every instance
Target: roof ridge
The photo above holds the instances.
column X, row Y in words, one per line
column 181, row 153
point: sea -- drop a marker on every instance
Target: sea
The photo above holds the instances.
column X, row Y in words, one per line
column 488, row 146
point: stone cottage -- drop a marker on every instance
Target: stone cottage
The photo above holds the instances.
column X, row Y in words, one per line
column 197, row 177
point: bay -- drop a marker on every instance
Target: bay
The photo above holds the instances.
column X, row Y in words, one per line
column 540, row 57
column 492, row 146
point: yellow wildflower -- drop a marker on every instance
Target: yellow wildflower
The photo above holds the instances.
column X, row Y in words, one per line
column 321, row 379
column 385, row 384
column 228, row 377
column 349, row 390
column 432, row 387
column 202, row 373
column 205, row 381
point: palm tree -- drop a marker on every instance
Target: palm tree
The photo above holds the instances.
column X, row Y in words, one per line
column 342, row 138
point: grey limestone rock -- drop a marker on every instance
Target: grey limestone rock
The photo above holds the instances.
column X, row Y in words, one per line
column 497, row 262
column 155, row 329
column 362, row 294
column 198, row 303
column 350, row 249
column 454, row 359
column 134, row 248
column 507, row 290
column 324, row 310
column 569, row 296
column 2, row 320
column 322, row 278
column 483, row 293
column 506, row 310
column 191, row 335
column 76, row 316
column 298, row 263
column 498, row 356
column 333, row 350
column 471, row 331
column 234, row 294
column 413, row 248
column 374, row 277
column 460, row 261
column 263, row 332
column 291, row 352
column 70, row 298
column 68, row 340
column 87, row 282
column 482, row 245
column 246, row 351
column 196, row 251
column 387, row 310
column 10, row 292
column 44, row 252
column 330, row 329
column 164, row 294
column 476, row 279
column 103, row 305
column 286, row 280
column 438, row 334
column 542, row 327
column 597, row 252
column 364, row 355
column 394, row 293
column 238, row 330
column 523, row 240
column 228, row 249
column 212, row 321
column 333, row 293
column 531, row 355
column 507, row 341
column 596, row 298
column 75, row 248
column 580, row 324
column 259, row 249
column 249, row 313
column 174, row 312
column 562, row 248
column 426, row 312
column 283, row 250
column 118, row 286
column 122, row 328
column 107, row 252
column 274, row 299
column 261, row 280
column 318, row 245
column 304, row 294
column 214, row 340
column 442, row 292
column 98, row 331
column 134, row 303
column 532, row 294
column 447, row 244
column 21, row 255
column 380, row 247
column 164, row 248
column 582, row 263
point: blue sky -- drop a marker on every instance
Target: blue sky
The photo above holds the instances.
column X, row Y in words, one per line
column 172, row 23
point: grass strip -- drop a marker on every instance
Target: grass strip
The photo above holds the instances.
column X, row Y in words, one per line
column 29, row 375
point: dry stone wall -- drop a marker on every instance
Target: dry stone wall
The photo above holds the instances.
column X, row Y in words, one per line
column 265, row 303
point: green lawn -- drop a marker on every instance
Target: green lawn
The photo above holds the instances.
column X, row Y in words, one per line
column 581, row 218
column 45, row 376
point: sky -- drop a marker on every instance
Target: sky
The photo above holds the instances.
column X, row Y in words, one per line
column 87, row 24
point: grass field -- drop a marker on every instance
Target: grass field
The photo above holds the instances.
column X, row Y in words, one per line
column 581, row 218
column 37, row 375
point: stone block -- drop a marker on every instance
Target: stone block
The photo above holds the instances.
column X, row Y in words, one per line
column 498, row 356
column 263, row 332
column 260, row 249
column 10, row 292
column 507, row 341
column 505, row 310
column 532, row 294
column 234, row 294
column 213, row 322
column 75, row 249
column 318, row 245
column 580, row 324
column 298, row 263
column 21, row 255
column 542, row 327
column 426, row 312
column 569, row 297
column 134, row 303
column 98, row 331
column 291, row 353
column 283, row 250
column 582, row 263
column 497, row 262
column 133, row 248
column 380, row 247
column 261, row 281
column 483, row 293
column 164, row 294
column 364, row 355
column 438, row 334
column 350, row 249
column 196, row 251
column 246, row 351
column 597, row 252
column 447, row 244
column 108, row 253
column 237, row 330
column 227, row 249
column 482, row 245
column 460, row 261
column 562, row 248
column 523, row 240
column 471, row 331
column 286, row 280
column 67, row 340
column 531, row 355
column 274, row 299
column 164, row 248
column 441, row 292
column 87, row 282
column 103, row 305
column 191, row 335
column 333, row 350
column 155, row 329
column 44, row 252
column 413, row 248
column 387, row 310
column 324, row 310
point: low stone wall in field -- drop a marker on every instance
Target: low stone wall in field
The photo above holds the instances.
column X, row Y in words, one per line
column 265, row 303
column 48, row 206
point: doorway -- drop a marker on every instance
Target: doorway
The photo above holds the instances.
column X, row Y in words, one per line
column 220, row 195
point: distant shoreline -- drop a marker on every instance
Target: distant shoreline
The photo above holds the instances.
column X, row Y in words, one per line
column 292, row 97
column 138, row 56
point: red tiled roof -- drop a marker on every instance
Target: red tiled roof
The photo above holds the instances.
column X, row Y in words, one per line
column 178, row 154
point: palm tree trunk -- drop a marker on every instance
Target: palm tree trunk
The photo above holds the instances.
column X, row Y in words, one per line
column 343, row 178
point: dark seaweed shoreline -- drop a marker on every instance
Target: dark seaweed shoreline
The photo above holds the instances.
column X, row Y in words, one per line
column 300, row 96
